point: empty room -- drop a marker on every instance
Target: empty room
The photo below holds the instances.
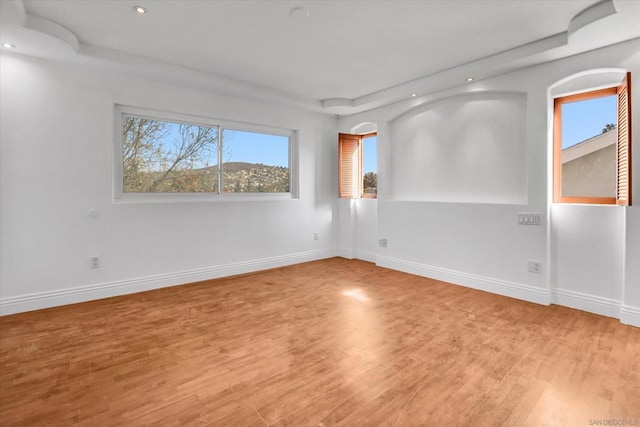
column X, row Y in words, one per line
column 317, row 213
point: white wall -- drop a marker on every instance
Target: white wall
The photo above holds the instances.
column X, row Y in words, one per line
column 588, row 246
column 358, row 224
column 467, row 148
column 590, row 254
column 630, row 312
column 56, row 164
column 56, row 139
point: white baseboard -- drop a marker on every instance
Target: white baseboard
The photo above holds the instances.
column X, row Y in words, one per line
column 496, row 286
column 361, row 254
column 630, row 315
column 347, row 253
column 586, row 302
column 36, row 301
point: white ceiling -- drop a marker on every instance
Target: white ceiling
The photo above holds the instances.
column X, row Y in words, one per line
column 346, row 56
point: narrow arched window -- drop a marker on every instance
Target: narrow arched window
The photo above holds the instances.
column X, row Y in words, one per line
column 592, row 146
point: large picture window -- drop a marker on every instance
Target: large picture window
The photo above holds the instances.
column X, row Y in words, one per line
column 592, row 146
column 255, row 162
column 162, row 155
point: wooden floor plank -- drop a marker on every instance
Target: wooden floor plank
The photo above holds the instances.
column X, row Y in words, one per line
column 332, row 342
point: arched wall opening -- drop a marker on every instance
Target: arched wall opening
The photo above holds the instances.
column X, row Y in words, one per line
column 587, row 241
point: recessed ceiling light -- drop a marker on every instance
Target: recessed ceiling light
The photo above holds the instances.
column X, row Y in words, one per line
column 469, row 79
column 299, row 13
column 414, row 94
column 139, row 9
column 9, row 45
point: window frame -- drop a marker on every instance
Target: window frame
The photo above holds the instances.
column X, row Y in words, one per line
column 346, row 168
column 120, row 196
column 622, row 177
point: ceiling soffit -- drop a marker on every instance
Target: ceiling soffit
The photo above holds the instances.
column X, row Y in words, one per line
column 42, row 37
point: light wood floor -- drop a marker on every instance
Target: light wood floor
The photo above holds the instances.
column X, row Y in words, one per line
column 317, row 344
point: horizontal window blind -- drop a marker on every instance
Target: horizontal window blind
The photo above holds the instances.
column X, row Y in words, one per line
column 623, row 191
column 350, row 165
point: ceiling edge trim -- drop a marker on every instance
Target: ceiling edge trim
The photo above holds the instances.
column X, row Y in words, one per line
column 164, row 72
column 52, row 29
column 591, row 14
column 138, row 66
column 478, row 68
column 485, row 67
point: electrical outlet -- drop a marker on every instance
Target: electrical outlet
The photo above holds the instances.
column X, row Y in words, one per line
column 383, row 243
column 535, row 266
column 529, row 218
column 315, row 236
column 95, row 262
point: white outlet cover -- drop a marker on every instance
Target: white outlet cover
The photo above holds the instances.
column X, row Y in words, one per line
column 535, row 266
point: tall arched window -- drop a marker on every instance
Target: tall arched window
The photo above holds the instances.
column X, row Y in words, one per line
column 592, row 146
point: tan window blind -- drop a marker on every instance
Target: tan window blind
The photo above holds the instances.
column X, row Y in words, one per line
column 623, row 191
column 349, row 165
